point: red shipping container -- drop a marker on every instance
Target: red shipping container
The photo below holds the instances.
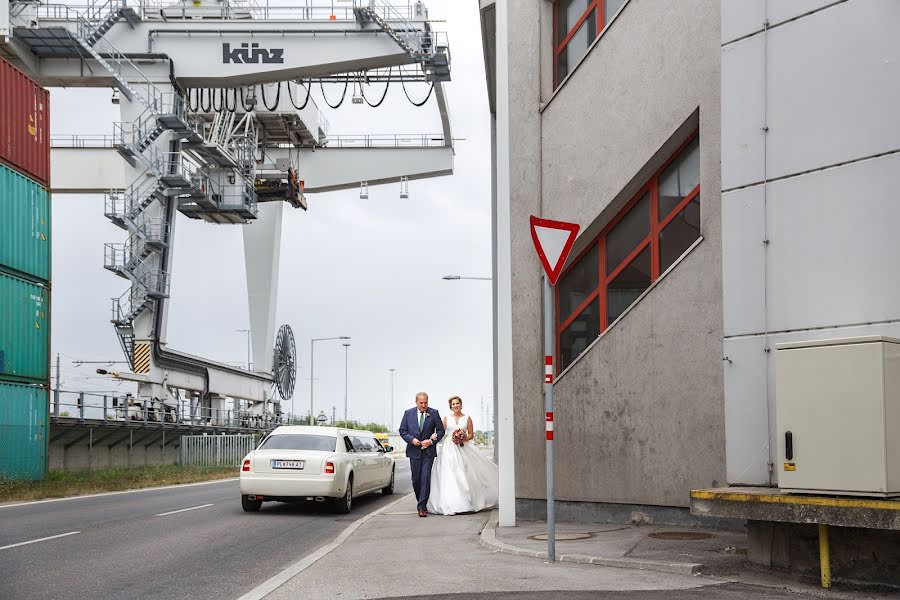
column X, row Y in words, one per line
column 24, row 124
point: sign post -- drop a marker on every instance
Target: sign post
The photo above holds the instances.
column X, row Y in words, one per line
column 553, row 241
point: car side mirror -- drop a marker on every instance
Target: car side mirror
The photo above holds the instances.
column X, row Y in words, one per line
column 388, row 448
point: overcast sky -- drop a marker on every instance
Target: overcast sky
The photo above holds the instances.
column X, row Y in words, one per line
column 370, row 269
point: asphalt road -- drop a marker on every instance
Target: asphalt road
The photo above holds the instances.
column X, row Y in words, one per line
column 727, row 591
column 126, row 547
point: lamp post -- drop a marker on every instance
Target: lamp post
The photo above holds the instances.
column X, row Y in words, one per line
column 458, row 277
column 392, row 371
column 312, row 373
column 346, row 377
column 247, row 331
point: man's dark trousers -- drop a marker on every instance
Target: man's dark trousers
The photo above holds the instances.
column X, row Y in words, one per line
column 421, row 477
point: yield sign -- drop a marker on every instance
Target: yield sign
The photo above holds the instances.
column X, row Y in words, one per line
column 553, row 241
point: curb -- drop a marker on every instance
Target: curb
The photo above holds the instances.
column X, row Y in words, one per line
column 488, row 539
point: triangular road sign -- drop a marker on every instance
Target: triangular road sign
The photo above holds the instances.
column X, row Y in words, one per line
column 553, row 241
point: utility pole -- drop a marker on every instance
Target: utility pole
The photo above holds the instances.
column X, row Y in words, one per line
column 333, row 414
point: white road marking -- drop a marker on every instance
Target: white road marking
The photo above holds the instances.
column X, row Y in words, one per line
column 267, row 587
column 44, row 539
column 151, row 489
column 181, row 510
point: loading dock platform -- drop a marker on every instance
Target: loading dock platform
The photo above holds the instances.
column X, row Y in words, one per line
column 779, row 528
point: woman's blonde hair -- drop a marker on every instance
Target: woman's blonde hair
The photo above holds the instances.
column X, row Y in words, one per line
column 452, row 398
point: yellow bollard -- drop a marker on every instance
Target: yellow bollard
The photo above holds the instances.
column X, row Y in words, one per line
column 824, row 556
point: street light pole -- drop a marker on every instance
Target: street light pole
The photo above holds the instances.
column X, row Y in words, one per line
column 392, row 398
column 247, row 331
column 346, row 378
column 312, row 373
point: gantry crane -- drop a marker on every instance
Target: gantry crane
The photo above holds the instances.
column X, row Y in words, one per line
column 217, row 123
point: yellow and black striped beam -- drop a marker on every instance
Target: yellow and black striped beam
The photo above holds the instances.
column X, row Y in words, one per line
column 142, row 357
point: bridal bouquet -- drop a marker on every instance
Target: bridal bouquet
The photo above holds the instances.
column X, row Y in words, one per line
column 460, row 437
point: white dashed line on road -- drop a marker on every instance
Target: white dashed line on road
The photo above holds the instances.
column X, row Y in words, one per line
column 181, row 510
column 44, row 539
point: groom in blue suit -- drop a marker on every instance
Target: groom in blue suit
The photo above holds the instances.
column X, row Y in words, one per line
column 422, row 428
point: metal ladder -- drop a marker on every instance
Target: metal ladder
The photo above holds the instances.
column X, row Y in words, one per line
column 419, row 44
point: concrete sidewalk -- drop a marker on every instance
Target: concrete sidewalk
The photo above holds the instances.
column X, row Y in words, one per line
column 396, row 554
column 668, row 549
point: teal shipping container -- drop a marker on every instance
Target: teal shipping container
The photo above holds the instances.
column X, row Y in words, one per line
column 24, row 331
column 24, row 413
column 24, row 226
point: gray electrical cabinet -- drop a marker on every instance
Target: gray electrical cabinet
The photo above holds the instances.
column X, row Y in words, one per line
column 838, row 416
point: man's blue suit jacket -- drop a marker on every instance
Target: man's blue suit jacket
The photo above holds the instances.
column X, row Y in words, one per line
column 409, row 430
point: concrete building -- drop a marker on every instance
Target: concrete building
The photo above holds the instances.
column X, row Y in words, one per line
column 729, row 164
column 614, row 124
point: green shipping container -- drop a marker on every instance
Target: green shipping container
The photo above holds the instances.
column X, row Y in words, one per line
column 24, row 226
column 24, row 412
column 24, row 331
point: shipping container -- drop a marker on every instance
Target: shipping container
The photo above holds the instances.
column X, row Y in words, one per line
column 24, row 124
column 24, row 226
column 24, row 331
column 24, row 412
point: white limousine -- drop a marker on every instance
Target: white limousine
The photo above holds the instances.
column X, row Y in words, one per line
column 295, row 463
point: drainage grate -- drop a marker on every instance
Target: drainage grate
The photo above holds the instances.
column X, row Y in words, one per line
column 681, row 535
column 563, row 537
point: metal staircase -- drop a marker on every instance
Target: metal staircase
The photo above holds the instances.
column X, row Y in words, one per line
column 419, row 42
column 177, row 175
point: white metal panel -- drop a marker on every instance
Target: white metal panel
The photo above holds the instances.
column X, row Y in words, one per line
column 4, row 18
column 86, row 170
column 743, row 112
column 747, row 436
column 834, row 247
column 834, row 87
column 741, row 17
column 831, row 399
column 892, row 413
column 743, row 262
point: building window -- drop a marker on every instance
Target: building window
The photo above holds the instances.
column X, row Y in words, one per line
column 647, row 236
column 576, row 25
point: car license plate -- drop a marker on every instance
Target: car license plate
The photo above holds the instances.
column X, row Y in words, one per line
column 288, row 464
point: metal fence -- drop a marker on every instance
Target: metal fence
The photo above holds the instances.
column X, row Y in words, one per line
column 216, row 450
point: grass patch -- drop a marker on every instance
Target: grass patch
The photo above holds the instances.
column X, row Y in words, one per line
column 60, row 484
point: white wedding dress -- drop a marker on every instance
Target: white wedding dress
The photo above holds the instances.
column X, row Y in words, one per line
column 462, row 479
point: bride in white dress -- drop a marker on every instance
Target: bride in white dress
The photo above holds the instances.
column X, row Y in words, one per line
column 463, row 479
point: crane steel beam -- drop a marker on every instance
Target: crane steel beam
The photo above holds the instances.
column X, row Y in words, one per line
column 217, row 53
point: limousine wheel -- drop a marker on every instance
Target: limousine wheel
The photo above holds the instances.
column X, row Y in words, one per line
column 250, row 505
column 389, row 489
column 345, row 503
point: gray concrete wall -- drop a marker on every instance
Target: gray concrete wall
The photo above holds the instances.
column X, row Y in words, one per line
column 640, row 415
column 82, row 456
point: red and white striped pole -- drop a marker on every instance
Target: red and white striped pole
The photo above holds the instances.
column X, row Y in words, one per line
column 549, row 340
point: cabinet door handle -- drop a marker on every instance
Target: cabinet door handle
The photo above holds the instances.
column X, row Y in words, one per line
column 789, row 445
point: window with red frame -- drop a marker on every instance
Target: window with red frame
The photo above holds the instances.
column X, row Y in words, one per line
column 647, row 236
column 576, row 24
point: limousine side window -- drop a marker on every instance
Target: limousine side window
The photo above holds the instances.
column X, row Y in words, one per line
column 364, row 444
column 348, row 443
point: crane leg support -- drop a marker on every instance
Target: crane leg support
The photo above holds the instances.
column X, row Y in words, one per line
column 824, row 556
